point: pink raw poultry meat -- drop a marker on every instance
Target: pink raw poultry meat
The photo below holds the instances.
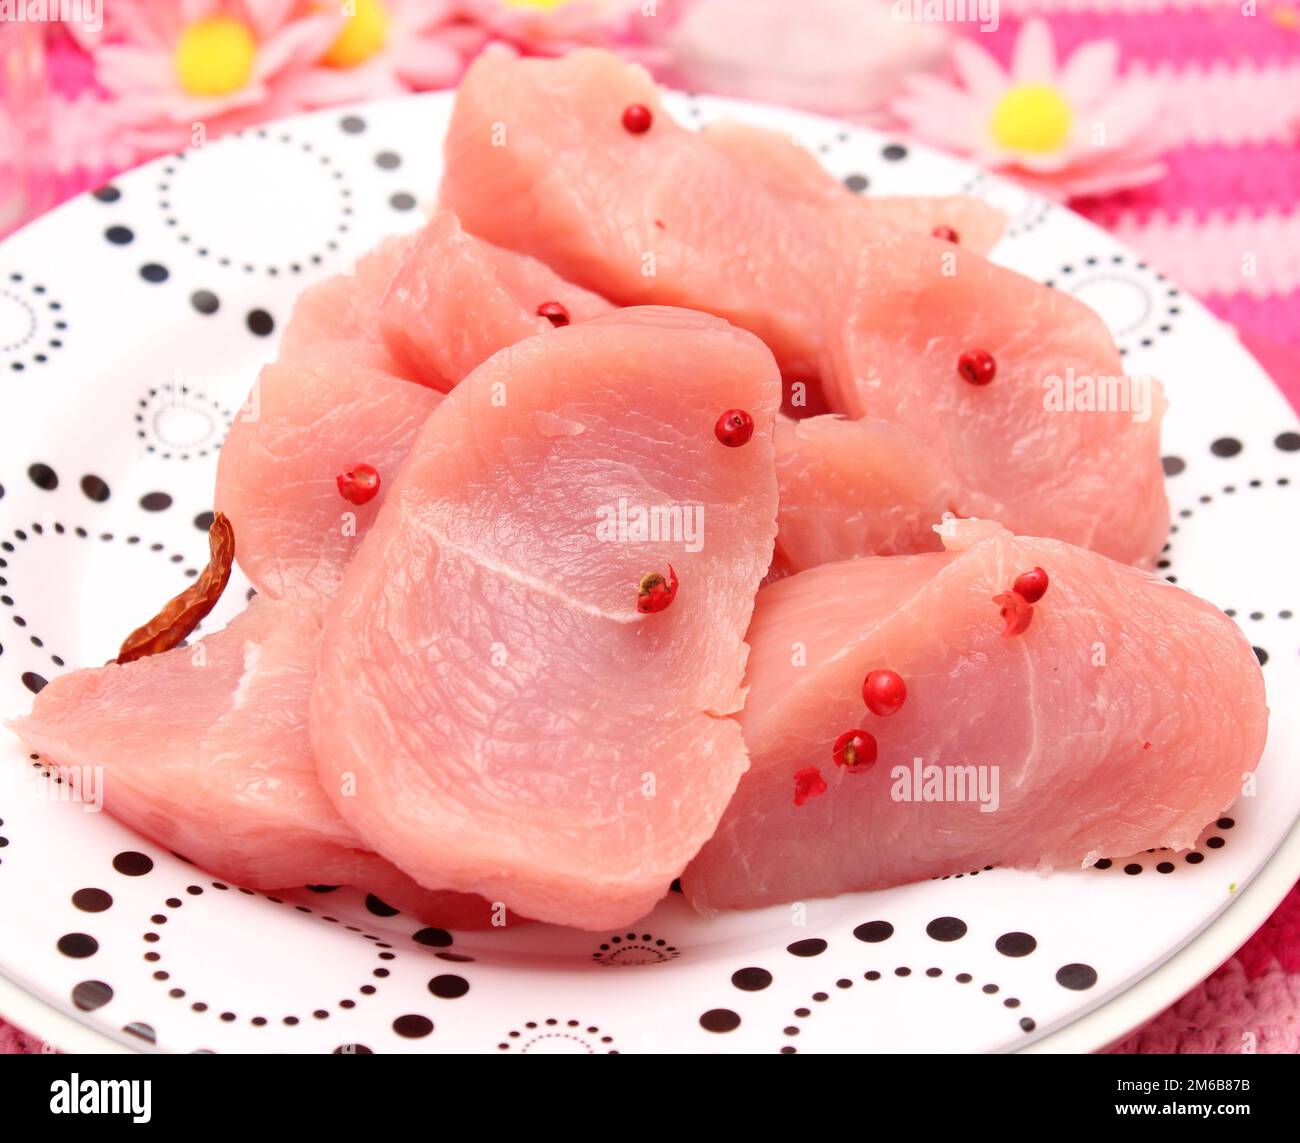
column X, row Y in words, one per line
column 1124, row 717
column 344, row 307
column 515, row 726
column 337, row 396
column 1090, row 476
column 538, row 160
column 312, row 413
column 790, row 168
column 204, row 749
column 456, row 300
column 854, row 488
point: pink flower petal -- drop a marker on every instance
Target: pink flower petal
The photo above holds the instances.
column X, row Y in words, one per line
column 297, row 45
column 1034, row 58
column 268, row 16
column 125, row 69
column 328, row 86
column 428, row 63
column 977, row 69
column 1090, row 73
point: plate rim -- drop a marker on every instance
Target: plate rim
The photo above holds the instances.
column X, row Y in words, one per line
column 1092, row 1031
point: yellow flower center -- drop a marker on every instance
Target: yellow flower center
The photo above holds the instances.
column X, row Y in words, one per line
column 540, row 5
column 1032, row 117
column 215, row 57
column 365, row 33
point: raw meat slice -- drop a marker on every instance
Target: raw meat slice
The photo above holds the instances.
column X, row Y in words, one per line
column 854, row 488
column 456, row 300
column 311, row 413
column 515, row 726
column 1017, row 451
column 204, row 749
column 1124, row 717
column 791, row 168
column 344, row 307
column 538, row 160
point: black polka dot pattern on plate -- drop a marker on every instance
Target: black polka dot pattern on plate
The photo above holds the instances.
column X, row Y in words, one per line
column 946, row 929
column 1076, row 977
column 632, row 948
column 751, row 979
column 92, row 900
column 32, row 324
column 812, row 946
column 91, row 994
column 306, row 228
column 41, row 532
column 552, row 1036
column 78, row 945
column 1136, row 302
column 903, row 974
column 179, row 421
column 720, row 1020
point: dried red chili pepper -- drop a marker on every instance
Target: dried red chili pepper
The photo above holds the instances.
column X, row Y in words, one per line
column 181, row 615
column 655, row 592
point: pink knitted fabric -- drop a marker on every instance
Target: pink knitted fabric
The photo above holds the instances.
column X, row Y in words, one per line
column 1233, row 187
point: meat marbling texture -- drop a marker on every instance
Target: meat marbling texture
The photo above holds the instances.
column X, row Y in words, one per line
column 515, row 727
column 204, row 749
column 1125, row 717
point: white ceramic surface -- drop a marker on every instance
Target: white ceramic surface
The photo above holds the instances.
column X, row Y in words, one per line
column 132, row 323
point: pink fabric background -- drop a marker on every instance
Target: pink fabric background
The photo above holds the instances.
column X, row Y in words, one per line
column 1233, row 187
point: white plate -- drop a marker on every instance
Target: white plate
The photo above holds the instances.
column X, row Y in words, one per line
column 131, row 325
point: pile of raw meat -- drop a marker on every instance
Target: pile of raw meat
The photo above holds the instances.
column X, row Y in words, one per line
column 556, row 604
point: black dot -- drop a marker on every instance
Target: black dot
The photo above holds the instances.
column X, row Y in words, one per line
column 260, row 322
column 1194, row 858
column 31, row 680
column 43, row 476
column 751, row 979
column 108, row 193
column 434, row 938
column 382, row 909
column 1076, row 977
column 92, row 900
column 205, row 301
column 95, row 488
column 402, row 201
column 144, row 1031
column 153, row 272
column 1225, row 823
column 155, row 501
column 1027, row 1024
column 448, row 987
column 873, row 932
column 91, row 994
column 352, row 124
column 412, row 1027
column 902, row 970
column 119, row 235
column 894, row 152
column 1015, row 944
column 1287, row 442
column 1172, row 465
column 1261, row 655
column 1133, row 869
column 720, row 1020
column 1226, row 446
column 857, row 183
column 1214, row 843
column 813, row 946
column 132, row 864
column 203, row 522
column 1165, row 867
column 78, row 945
column 946, row 929
column 388, row 160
